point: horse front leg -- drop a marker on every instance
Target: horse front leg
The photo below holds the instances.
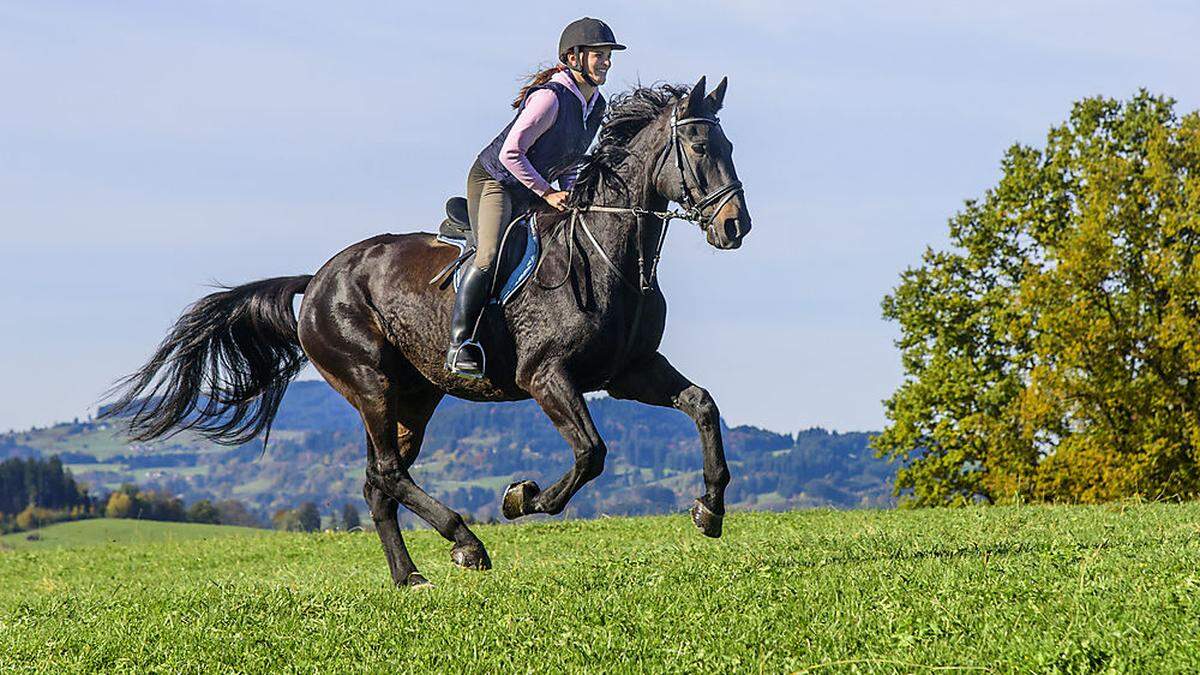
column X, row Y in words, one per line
column 566, row 408
column 656, row 382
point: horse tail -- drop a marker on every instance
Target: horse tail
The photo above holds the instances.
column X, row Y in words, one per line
column 223, row 368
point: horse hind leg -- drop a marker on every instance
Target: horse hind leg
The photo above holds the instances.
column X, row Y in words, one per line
column 396, row 427
column 383, row 512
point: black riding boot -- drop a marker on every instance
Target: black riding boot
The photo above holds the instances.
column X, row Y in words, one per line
column 465, row 356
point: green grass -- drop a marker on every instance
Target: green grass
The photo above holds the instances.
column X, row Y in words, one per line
column 1063, row 589
column 106, row 441
column 113, row 531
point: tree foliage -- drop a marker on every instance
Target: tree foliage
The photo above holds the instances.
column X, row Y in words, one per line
column 203, row 511
column 304, row 518
column 40, row 483
column 308, row 517
column 1052, row 352
column 120, row 505
column 234, row 512
column 130, row 501
column 350, row 519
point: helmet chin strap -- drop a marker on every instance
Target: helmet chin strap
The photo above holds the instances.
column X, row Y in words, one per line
column 581, row 60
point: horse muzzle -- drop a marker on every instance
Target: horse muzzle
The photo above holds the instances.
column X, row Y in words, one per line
column 729, row 227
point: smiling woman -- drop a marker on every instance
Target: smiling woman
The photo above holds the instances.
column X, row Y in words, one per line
column 558, row 114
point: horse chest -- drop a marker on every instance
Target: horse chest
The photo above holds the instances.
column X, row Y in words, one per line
column 593, row 343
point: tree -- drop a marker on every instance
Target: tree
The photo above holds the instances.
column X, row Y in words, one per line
column 234, row 512
column 308, row 517
column 350, row 518
column 42, row 483
column 286, row 520
column 30, row 518
column 120, row 505
column 1054, row 352
column 203, row 511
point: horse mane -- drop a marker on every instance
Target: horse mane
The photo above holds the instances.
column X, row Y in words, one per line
column 628, row 113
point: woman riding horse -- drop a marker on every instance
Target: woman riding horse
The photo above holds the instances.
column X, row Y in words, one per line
column 558, row 115
column 374, row 328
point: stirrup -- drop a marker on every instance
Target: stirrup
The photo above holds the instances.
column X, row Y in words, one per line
column 452, row 361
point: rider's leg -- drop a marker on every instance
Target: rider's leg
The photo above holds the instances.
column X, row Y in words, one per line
column 489, row 208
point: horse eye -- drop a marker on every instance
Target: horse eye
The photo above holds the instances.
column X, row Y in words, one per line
column 699, row 148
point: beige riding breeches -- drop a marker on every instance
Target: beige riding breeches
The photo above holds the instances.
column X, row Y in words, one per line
column 489, row 208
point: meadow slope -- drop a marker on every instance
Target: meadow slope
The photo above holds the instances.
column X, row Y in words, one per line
column 1066, row 589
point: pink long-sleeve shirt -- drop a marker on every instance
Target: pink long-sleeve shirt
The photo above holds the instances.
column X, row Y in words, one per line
column 541, row 110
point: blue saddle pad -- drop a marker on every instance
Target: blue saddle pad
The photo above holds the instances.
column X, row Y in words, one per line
column 519, row 251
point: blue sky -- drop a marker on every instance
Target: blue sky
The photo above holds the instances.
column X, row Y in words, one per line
column 148, row 149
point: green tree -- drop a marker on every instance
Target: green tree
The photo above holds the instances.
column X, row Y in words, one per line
column 234, row 512
column 350, row 519
column 308, row 517
column 1053, row 353
column 203, row 511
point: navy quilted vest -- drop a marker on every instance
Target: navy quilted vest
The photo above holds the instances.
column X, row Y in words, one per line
column 556, row 150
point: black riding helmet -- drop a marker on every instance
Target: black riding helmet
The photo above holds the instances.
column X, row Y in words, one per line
column 581, row 35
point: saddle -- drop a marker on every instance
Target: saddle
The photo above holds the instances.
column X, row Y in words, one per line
column 520, row 248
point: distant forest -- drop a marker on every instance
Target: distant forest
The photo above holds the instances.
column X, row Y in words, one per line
column 36, row 492
column 471, row 452
column 38, row 483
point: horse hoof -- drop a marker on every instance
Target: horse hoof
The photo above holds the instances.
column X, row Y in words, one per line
column 471, row 557
column 518, row 499
column 708, row 522
column 416, row 580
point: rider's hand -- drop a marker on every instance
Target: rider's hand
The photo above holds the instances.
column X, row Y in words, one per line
column 557, row 199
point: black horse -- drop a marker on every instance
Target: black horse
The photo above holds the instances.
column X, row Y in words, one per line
column 376, row 329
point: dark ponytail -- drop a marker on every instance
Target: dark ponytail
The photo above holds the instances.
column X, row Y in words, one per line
column 536, row 80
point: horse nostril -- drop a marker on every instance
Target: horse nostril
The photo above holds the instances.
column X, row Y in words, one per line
column 732, row 229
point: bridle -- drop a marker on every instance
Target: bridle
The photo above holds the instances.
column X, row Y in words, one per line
column 715, row 198
column 694, row 213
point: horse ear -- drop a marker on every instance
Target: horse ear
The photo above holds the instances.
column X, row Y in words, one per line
column 695, row 96
column 717, row 97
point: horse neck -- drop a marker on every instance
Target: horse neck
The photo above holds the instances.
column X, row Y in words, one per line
column 618, row 232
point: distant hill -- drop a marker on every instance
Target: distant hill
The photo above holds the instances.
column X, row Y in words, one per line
column 471, row 452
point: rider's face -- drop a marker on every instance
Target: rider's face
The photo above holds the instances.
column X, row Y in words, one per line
column 598, row 62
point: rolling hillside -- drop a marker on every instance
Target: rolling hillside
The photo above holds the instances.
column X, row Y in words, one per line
column 471, row 452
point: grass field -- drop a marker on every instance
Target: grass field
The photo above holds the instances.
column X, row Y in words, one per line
column 1063, row 589
column 123, row 532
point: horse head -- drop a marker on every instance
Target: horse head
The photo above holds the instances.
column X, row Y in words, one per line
column 696, row 167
